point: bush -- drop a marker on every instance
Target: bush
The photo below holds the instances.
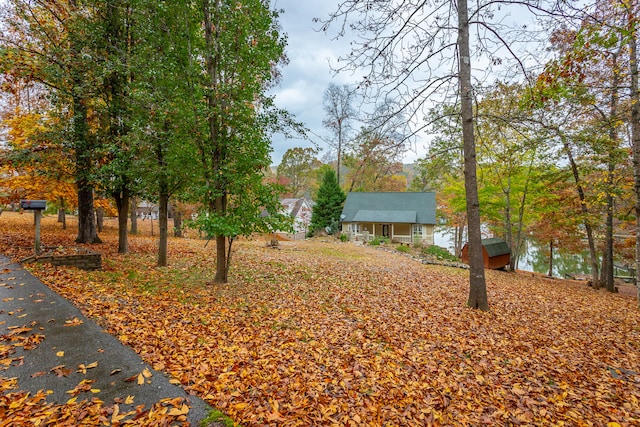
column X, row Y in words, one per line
column 439, row 253
column 343, row 237
column 379, row 240
column 403, row 248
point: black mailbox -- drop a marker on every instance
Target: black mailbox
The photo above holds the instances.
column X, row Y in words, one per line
column 33, row 205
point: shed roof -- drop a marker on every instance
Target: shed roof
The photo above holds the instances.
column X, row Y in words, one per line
column 495, row 246
column 390, row 207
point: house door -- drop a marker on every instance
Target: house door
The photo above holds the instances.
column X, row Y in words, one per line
column 385, row 230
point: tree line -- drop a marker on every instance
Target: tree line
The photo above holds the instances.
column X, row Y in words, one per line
column 138, row 98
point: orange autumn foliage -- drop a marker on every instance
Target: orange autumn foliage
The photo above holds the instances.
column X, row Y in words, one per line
column 330, row 333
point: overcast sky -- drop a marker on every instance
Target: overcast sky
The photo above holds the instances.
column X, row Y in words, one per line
column 305, row 79
column 308, row 74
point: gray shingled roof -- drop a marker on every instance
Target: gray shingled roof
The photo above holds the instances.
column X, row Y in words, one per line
column 409, row 208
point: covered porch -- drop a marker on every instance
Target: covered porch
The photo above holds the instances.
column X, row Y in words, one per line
column 395, row 232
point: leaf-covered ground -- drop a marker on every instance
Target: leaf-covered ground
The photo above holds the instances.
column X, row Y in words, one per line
column 329, row 333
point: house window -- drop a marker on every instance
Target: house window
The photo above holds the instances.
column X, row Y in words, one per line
column 354, row 228
column 417, row 231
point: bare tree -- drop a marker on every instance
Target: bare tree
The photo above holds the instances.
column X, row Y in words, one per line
column 337, row 104
column 419, row 52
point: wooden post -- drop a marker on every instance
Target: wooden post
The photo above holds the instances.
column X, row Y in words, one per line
column 37, row 213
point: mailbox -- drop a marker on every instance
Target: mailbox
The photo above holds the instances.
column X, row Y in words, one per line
column 33, row 205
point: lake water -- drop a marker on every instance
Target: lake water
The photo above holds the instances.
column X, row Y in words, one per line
column 534, row 259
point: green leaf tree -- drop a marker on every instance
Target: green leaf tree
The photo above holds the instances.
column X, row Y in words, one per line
column 238, row 45
column 297, row 167
column 52, row 42
column 329, row 202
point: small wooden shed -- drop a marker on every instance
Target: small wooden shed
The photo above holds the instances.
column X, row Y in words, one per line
column 495, row 253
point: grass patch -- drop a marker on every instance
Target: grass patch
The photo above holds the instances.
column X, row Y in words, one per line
column 378, row 240
column 216, row 418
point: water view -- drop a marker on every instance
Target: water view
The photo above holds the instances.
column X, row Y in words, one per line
column 535, row 258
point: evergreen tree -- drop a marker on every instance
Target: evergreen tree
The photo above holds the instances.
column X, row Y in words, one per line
column 328, row 207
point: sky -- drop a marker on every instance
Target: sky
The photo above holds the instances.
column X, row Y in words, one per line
column 306, row 77
column 311, row 54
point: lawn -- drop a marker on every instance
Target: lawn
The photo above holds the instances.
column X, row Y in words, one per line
column 322, row 332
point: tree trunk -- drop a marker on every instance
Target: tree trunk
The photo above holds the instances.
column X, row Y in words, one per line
column 593, row 257
column 100, row 218
column 635, row 128
column 607, row 257
column 162, row 225
column 87, row 232
column 477, row 285
column 219, row 202
column 122, row 203
column 62, row 215
column 177, row 223
column 134, row 215
column 508, row 224
column 221, row 260
column 551, row 258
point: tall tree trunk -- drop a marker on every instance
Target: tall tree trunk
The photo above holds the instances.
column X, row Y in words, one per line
column 221, row 261
column 177, row 223
column 133, row 209
column 62, row 215
column 477, row 284
column 607, row 257
column 219, row 202
column 635, row 127
column 162, row 224
column 551, row 258
column 87, row 232
column 593, row 256
column 122, row 203
column 100, row 218
column 507, row 222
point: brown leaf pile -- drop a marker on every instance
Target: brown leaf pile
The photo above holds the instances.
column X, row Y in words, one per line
column 327, row 333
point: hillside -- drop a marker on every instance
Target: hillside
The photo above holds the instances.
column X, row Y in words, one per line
column 327, row 333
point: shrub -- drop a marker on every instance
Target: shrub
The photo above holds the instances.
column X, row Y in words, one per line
column 343, row 237
column 403, row 248
column 439, row 252
column 378, row 240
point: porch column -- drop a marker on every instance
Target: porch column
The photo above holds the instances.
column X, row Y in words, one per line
column 373, row 226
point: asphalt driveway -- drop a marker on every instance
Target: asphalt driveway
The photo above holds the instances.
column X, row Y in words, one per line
column 70, row 348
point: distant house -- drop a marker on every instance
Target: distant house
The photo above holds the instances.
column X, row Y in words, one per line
column 146, row 210
column 495, row 253
column 300, row 210
column 401, row 217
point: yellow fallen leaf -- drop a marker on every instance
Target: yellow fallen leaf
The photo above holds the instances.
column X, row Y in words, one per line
column 95, row 390
column 613, row 424
column 140, row 379
column 240, row 405
column 147, row 373
column 60, row 353
column 129, row 400
column 175, row 412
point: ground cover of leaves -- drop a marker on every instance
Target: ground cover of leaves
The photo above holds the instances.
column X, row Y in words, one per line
column 329, row 333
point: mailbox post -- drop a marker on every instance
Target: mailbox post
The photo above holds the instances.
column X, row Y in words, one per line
column 37, row 206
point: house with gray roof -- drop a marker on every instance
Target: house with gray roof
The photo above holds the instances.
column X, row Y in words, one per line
column 401, row 217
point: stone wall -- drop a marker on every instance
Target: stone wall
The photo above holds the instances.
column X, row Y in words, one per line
column 84, row 261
